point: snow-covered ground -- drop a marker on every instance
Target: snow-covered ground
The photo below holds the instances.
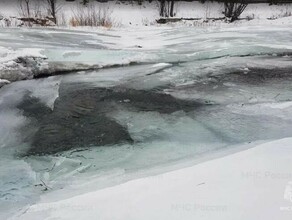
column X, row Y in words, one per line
column 132, row 14
column 252, row 184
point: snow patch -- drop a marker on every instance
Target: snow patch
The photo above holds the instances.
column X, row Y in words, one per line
column 22, row 63
column 191, row 192
column 3, row 82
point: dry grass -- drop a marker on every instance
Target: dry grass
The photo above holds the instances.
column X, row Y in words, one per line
column 91, row 16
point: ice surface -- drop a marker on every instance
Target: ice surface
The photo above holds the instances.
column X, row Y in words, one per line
column 65, row 50
column 239, row 78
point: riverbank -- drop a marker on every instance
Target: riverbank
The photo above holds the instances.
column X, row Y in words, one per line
column 252, row 184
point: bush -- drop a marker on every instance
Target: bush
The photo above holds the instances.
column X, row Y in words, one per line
column 91, row 16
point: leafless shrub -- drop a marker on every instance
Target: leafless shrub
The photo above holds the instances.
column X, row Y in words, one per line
column 30, row 11
column 38, row 10
column 91, row 15
column 62, row 21
column 5, row 22
column 285, row 12
column 250, row 17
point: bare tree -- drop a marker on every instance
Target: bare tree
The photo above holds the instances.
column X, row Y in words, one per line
column 25, row 11
column 24, row 6
column 233, row 10
column 162, row 8
column 171, row 9
column 166, row 8
column 53, row 8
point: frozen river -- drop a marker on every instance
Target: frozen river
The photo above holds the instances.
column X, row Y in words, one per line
column 135, row 102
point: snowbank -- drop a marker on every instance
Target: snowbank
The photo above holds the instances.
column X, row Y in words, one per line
column 3, row 82
column 29, row 53
column 252, row 184
column 22, row 63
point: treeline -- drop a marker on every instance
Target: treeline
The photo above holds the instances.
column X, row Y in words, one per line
column 232, row 9
column 29, row 10
column 202, row 1
column 49, row 12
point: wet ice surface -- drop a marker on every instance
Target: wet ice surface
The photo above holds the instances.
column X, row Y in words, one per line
column 188, row 94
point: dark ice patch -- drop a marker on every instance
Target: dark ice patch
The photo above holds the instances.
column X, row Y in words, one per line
column 80, row 116
column 32, row 107
column 255, row 76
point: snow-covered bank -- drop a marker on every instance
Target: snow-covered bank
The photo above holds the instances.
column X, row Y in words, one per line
column 21, row 63
column 3, row 82
column 129, row 14
column 251, row 184
column 32, row 53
